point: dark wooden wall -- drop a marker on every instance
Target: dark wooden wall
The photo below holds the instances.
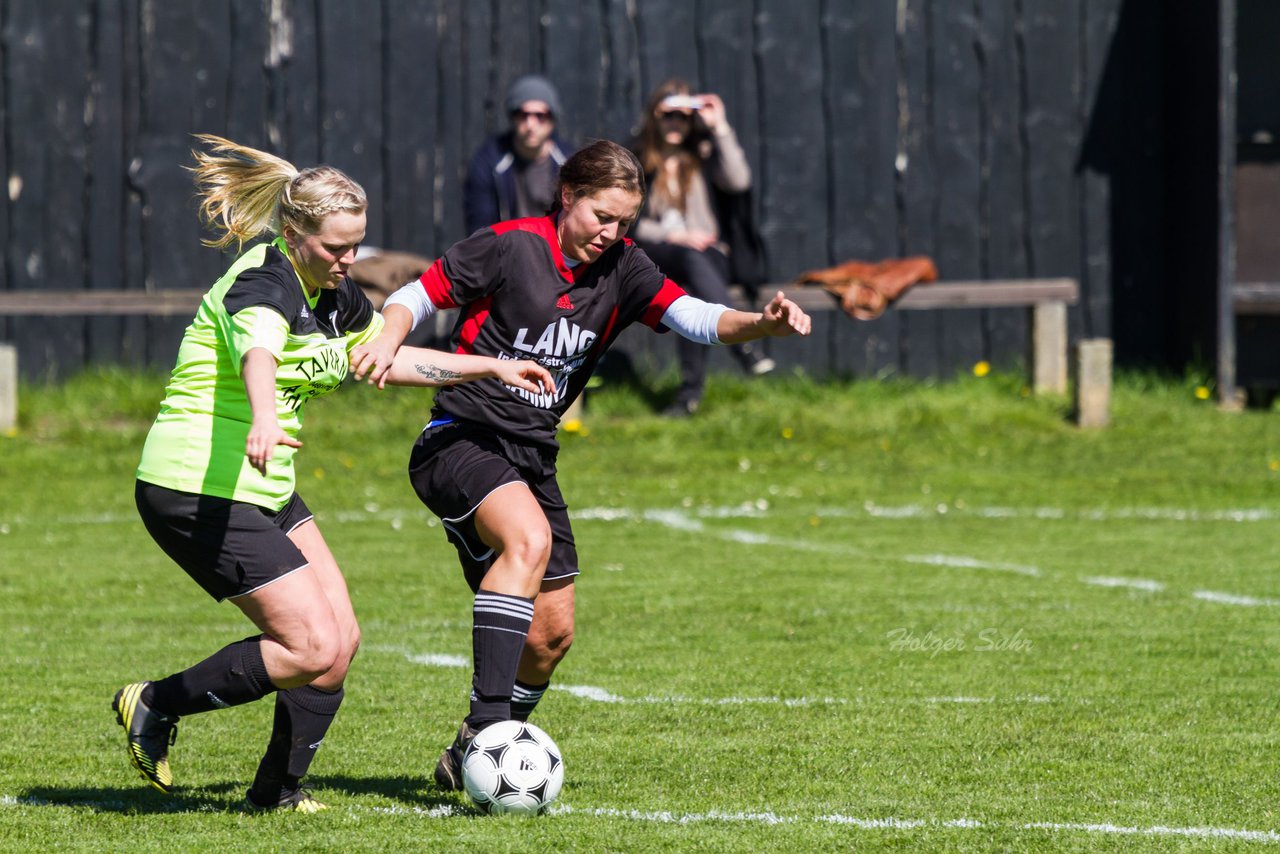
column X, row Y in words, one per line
column 1005, row 138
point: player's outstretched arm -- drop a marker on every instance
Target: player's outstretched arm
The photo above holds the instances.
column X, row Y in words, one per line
column 377, row 357
column 781, row 317
column 418, row 366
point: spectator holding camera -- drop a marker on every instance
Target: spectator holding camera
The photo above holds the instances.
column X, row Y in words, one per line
column 692, row 160
column 514, row 173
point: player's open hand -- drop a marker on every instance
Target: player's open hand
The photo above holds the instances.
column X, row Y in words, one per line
column 260, row 445
column 525, row 374
column 374, row 359
column 783, row 317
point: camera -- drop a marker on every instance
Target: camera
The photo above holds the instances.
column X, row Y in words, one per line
column 682, row 102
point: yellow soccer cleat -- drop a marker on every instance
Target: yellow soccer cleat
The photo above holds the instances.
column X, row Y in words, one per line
column 289, row 800
column 149, row 735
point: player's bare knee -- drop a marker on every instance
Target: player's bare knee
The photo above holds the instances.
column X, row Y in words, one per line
column 353, row 642
column 531, row 550
column 347, row 654
column 317, row 653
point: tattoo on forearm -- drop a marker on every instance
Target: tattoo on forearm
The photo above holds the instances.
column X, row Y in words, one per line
column 437, row 374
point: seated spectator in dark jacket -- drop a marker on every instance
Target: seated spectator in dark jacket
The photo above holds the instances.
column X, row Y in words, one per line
column 513, row 174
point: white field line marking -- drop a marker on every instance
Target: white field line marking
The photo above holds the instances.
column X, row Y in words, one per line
column 1097, row 514
column 680, row 520
column 427, row 659
column 1021, row 698
column 891, row 823
column 371, row 512
column 590, row 692
column 1113, row 581
column 749, row 510
column 440, row 660
column 961, row 700
column 604, row 695
column 1161, row 830
column 441, row 811
column 74, row 519
column 1232, row 599
column 444, row 811
column 971, row 563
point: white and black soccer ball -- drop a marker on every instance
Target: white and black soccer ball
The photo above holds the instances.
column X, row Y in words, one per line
column 512, row 767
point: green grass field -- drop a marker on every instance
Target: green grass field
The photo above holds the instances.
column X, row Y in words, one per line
column 874, row 616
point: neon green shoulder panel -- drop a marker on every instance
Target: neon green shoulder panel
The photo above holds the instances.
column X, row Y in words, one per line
column 197, row 443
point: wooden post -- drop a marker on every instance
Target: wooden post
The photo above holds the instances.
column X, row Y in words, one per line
column 8, row 389
column 1093, row 382
column 1049, row 348
column 575, row 411
column 1225, row 271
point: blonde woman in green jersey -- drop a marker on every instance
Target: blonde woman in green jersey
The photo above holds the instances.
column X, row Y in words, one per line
column 215, row 487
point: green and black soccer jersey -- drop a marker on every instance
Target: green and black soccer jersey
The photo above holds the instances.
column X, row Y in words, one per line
column 197, row 443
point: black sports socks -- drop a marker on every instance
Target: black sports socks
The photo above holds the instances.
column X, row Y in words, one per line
column 525, row 698
column 500, row 624
column 232, row 676
column 302, row 718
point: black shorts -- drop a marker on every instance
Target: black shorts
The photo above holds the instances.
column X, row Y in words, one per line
column 456, row 465
column 229, row 548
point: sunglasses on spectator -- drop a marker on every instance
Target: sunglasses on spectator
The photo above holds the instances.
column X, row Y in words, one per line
column 534, row 115
column 669, row 115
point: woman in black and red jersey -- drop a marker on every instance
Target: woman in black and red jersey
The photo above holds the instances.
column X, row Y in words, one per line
column 559, row 290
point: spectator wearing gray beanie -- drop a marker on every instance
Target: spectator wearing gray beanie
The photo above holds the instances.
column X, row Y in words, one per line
column 513, row 174
column 531, row 87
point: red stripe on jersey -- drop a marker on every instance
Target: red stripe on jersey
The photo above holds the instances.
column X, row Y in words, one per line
column 438, row 287
column 661, row 302
column 604, row 340
column 544, row 227
column 477, row 314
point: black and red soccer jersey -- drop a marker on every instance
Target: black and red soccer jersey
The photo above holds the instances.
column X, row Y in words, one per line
column 519, row 300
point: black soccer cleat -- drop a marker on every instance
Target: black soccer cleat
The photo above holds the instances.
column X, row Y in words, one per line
column 448, row 772
column 287, row 800
column 149, row 735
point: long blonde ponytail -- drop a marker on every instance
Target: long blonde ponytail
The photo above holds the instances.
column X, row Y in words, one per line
column 245, row 192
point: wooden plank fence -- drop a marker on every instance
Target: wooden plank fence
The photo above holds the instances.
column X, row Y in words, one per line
column 873, row 130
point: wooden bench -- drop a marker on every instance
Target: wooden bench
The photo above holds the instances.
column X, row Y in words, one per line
column 1046, row 301
column 98, row 303
column 102, row 303
column 1256, row 299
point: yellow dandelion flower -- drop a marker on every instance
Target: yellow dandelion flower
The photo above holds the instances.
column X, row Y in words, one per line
column 319, row 474
column 1274, row 465
column 573, row 425
column 1202, row 392
column 981, row 369
column 787, row 432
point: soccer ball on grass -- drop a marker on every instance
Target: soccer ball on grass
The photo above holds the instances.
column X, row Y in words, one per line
column 512, row 767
